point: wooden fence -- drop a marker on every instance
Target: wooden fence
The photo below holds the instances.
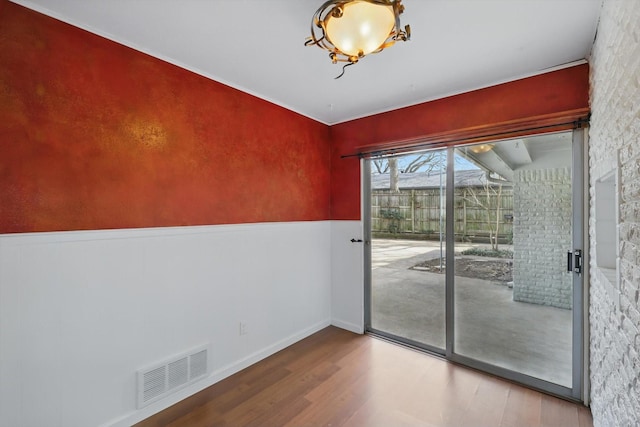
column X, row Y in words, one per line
column 418, row 212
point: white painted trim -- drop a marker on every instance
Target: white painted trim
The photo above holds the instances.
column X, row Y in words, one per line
column 347, row 280
column 351, row 327
column 217, row 376
column 114, row 301
column 586, row 273
column 127, row 233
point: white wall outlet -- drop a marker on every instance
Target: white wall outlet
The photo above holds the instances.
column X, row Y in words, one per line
column 243, row 328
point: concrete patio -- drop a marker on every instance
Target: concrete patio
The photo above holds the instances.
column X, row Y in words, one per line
column 489, row 325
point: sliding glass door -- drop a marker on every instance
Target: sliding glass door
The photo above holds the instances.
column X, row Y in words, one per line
column 408, row 244
column 478, row 257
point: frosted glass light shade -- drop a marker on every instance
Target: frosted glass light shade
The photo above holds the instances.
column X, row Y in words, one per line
column 352, row 29
column 363, row 27
column 482, row 148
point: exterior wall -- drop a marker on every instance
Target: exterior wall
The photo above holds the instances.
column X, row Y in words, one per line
column 615, row 146
column 542, row 236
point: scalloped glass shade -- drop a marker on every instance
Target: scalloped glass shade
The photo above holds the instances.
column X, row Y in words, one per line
column 363, row 27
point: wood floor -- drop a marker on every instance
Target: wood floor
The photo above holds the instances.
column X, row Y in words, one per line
column 336, row 378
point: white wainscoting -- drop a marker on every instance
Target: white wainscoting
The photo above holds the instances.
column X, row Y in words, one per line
column 81, row 312
column 347, row 289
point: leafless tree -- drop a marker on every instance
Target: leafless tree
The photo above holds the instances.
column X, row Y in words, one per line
column 425, row 162
column 490, row 201
column 381, row 165
column 394, row 176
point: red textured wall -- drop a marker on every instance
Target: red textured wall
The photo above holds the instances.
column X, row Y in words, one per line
column 553, row 97
column 95, row 135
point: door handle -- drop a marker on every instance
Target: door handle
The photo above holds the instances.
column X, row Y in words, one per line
column 577, row 261
column 574, row 261
column 356, row 240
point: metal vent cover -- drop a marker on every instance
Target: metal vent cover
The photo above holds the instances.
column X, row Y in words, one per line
column 162, row 379
column 198, row 363
column 155, row 383
column 178, row 373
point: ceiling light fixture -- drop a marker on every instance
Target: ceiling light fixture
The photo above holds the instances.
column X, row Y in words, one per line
column 352, row 29
column 482, row 148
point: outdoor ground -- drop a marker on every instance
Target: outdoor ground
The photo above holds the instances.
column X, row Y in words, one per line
column 477, row 267
column 489, row 325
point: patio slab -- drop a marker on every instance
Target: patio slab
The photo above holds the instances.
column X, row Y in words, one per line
column 490, row 326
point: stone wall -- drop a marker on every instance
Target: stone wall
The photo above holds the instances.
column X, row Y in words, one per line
column 614, row 146
column 542, row 236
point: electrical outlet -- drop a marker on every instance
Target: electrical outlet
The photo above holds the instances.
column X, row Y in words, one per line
column 243, row 328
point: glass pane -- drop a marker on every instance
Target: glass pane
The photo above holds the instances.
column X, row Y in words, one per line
column 408, row 246
column 512, row 293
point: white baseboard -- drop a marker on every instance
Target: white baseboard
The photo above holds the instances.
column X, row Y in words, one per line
column 352, row 327
column 215, row 377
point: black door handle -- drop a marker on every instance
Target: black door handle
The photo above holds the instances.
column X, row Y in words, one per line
column 574, row 261
column 356, row 240
column 577, row 261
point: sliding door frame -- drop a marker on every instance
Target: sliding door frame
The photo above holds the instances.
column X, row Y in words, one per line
column 368, row 277
column 579, row 365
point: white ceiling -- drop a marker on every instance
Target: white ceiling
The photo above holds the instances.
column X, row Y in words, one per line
column 258, row 46
column 552, row 150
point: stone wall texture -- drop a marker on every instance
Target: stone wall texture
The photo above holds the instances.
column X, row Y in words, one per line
column 615, row 146
column 542, row 236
